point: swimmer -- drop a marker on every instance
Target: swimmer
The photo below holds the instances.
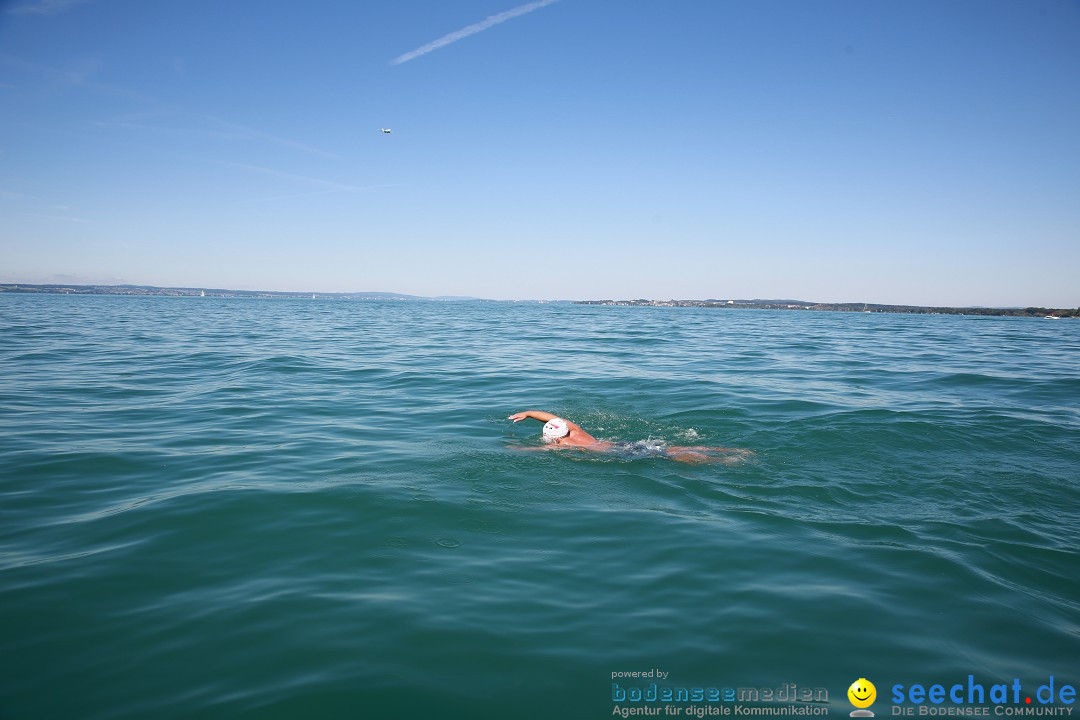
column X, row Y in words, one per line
column 563, row 434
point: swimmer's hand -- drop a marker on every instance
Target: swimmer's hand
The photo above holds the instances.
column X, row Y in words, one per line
column 518, row 417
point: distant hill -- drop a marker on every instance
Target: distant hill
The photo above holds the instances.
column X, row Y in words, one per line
column 374, row 296
column 210, row 292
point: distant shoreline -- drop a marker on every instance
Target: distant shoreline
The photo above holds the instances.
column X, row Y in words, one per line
column 844, row 307
column 152, row 290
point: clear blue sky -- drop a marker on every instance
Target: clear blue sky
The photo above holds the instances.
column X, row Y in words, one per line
column 914, row 151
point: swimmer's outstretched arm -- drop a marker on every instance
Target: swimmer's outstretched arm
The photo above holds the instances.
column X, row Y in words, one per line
column 534, row 414
column 542, row 417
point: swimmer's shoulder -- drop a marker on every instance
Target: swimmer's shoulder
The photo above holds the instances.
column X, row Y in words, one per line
column 580, row 438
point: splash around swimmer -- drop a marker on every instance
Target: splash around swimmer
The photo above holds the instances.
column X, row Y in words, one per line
column 559, row 434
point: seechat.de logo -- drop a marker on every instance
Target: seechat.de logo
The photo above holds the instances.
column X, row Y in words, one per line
column 862, row 694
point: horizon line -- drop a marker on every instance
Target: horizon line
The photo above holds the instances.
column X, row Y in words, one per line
column 8, row 286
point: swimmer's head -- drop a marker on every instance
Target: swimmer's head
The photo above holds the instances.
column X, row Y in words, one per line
column 554, row 429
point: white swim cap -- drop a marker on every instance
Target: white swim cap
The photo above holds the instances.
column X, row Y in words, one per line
column 555, row 428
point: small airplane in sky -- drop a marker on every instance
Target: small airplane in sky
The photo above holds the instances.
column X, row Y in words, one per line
column 385, row 130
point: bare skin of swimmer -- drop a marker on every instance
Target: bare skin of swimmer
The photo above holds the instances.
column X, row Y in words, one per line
column 578, row 439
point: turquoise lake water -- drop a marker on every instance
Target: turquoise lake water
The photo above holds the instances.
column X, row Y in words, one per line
column 225, row 508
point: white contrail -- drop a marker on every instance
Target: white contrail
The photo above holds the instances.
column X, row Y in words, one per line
column 316, row 182
column 44, row 7
column 471, row 30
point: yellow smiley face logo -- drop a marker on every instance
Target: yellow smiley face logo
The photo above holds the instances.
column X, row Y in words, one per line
column 862, row 693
